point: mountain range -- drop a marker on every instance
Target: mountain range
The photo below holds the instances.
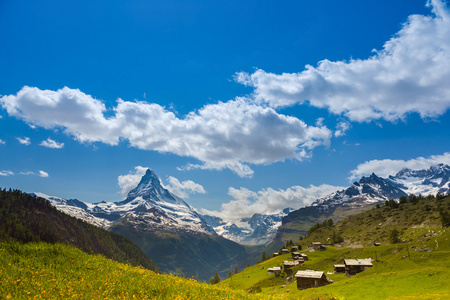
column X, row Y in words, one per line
column 181, row 241
column 361, row 196
column 165, row 227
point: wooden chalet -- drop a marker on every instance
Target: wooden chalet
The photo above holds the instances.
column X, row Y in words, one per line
column 275, row 254
column 339, row 268
column 287, row 264
column 294, row 249
column 274, row 270
column 295, row 255
column 304, row 256
column 354, row 266
column 285, row 251
column 309, row 278
column 316, row 246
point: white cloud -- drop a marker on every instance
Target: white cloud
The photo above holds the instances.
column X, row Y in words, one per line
column 409, row 75
column 131, row 180
column 24, row 141
column 245, row 202
column 229, row 134
column 341, row 128
column 2, row 142
column 6, row 173
column 27, row 173
column 386, row 167
column 49, row 143
column 184, row 188
column 42, row 174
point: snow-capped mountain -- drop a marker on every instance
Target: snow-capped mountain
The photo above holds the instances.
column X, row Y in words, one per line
column 149, row 206
column 424, row 182
column 258, row 230
column 361, row 196
column 367, row 191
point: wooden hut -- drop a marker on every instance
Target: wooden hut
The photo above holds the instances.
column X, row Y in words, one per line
column 354, row 266
column 274, row 270
column 287, row 264
column 294, row 248
column 339, row 268
column 316, row 246
column 285, row 251
column 304, row 256
column 309, row 278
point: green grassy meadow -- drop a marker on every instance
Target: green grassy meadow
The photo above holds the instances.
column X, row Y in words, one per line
column 396, row 274
column 46, row 271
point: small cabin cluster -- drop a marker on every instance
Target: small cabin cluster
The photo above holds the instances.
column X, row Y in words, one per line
column 311, row 278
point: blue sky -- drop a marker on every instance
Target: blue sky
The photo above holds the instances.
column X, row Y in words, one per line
column 238, row 106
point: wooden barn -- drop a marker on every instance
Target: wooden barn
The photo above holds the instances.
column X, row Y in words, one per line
column 294, row 249
column 354, row 266
column 309, row 278
column 285, row 251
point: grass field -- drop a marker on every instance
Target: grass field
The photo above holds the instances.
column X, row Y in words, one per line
column 44, row 271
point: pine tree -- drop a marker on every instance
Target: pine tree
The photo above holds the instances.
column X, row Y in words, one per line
column 263, row 258
column 393, row 237
column 236, row 270
column 215, row 279
column 230, row 274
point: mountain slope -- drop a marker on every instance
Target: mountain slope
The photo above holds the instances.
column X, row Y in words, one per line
column 416, row 267
column 360, row 196
column 26, row 218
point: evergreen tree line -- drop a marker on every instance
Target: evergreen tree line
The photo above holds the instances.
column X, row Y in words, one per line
column 444, row 213
column 26, row 218
column 324, row 224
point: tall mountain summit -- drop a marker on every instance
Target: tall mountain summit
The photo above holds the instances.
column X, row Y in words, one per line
column 149, row 206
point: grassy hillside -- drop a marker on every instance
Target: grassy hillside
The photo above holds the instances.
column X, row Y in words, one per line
column 41, row 270
column 298, row 222
column 26, row 218
column 416, row 267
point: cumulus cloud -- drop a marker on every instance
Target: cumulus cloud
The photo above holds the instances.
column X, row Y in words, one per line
column 24, row 141
column 386, row 167
column 229, row 134
column 49, row 143
column 184, row 188
column 409, row 75
column 2, row 142
column 42, row 173
column 131, row 180
column 6, row 173
column 245, row 202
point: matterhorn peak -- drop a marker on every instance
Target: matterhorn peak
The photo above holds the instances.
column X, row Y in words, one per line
column 150, row 188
